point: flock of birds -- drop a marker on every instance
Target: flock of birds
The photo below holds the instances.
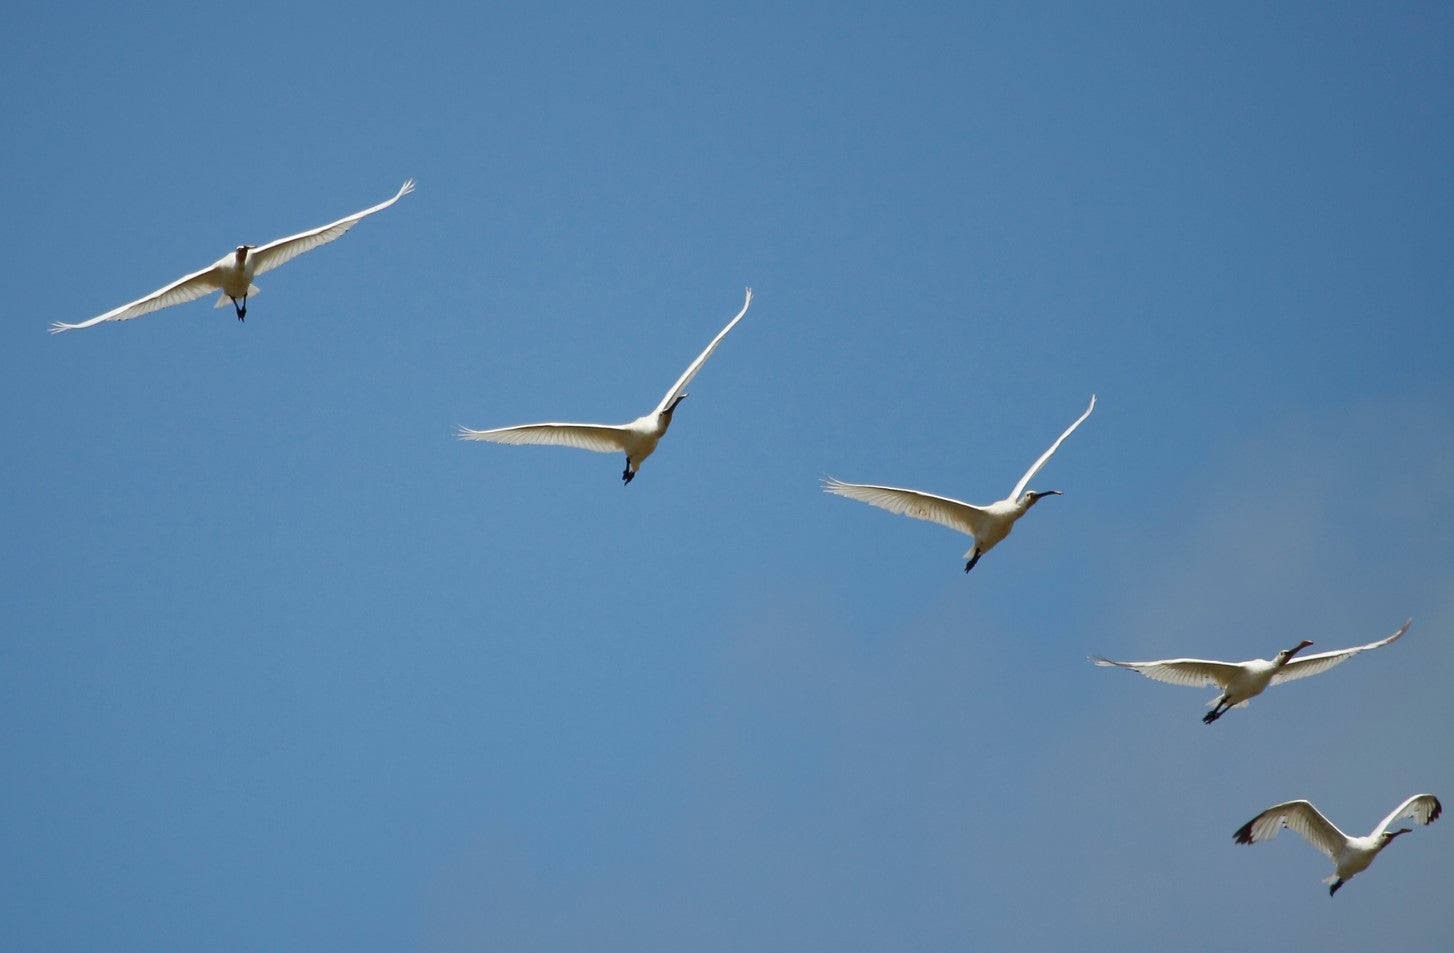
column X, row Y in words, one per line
column 987, row 526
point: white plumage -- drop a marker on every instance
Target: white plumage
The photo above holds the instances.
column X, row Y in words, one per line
column 233, row 274
column 1242, row 681
column 637, row 439
column 1350, row 855
column 987, row 524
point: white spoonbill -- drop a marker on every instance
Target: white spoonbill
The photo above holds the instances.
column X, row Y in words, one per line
column 233, row 274
column 1243, row 681
column 987, row 524
column 1350, row 855
column 637, row 439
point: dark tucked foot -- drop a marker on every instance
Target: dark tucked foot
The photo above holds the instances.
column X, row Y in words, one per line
column 626, row 476
column 970, row 565
column 1211, row 716
column 1334, row 889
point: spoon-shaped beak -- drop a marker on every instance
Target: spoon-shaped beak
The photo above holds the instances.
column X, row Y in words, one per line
column 1298, row 648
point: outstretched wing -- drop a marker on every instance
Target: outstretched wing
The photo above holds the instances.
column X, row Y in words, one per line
column 963, row 517
column 1313, row 664
column 184, row 289
column 602, row 438
column 1181, row 671
column 1424, row 808
column 274, row 253
column 1301, row 817
column 696, row 365
column 1035, row 468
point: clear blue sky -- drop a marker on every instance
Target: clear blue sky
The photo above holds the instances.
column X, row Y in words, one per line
column 286, row 666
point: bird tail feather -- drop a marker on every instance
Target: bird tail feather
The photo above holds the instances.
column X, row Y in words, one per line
column 223, row 300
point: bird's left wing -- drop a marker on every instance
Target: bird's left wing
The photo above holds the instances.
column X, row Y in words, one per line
column 963, row 517
column 1313, row 664
column 1424, row 808
column 1030, row 473
column 696, row 365
column 274, row 253
column 602, row 438
column 1181, row 671
column 1300, row 816
column 186, row 288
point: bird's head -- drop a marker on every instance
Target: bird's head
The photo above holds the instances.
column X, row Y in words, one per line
column 670, row 408
column 1034, row 496
column 241, row 252
column 1286, row 654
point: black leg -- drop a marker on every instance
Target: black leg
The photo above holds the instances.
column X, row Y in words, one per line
column 1336, row 884
column 974, row 558
column 627, row 473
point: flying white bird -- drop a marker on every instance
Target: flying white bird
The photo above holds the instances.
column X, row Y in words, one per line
column 1242, row 681
column 233, row 274
column 637, row 439
column 987, row 524
column 1350, row 855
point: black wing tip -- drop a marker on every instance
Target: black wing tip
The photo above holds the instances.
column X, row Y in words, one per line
column 1244, row 834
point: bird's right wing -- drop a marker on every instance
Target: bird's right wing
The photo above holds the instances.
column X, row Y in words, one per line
column 187, row 288
column 274, row 253
column 696, row 365
column 962, row 517
column 1313, row 664
column 1181, row 671
column 1424, row 808
column 602, row 438
column 1301, row 817
column 1044, row 457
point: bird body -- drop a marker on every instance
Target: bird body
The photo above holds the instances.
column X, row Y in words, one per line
column 1240, row 682
column 1350, row 855
column 234, row 272
column 637, row 439
column 988, row 525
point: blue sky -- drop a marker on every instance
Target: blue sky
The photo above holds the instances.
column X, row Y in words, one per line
column 286, row 666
